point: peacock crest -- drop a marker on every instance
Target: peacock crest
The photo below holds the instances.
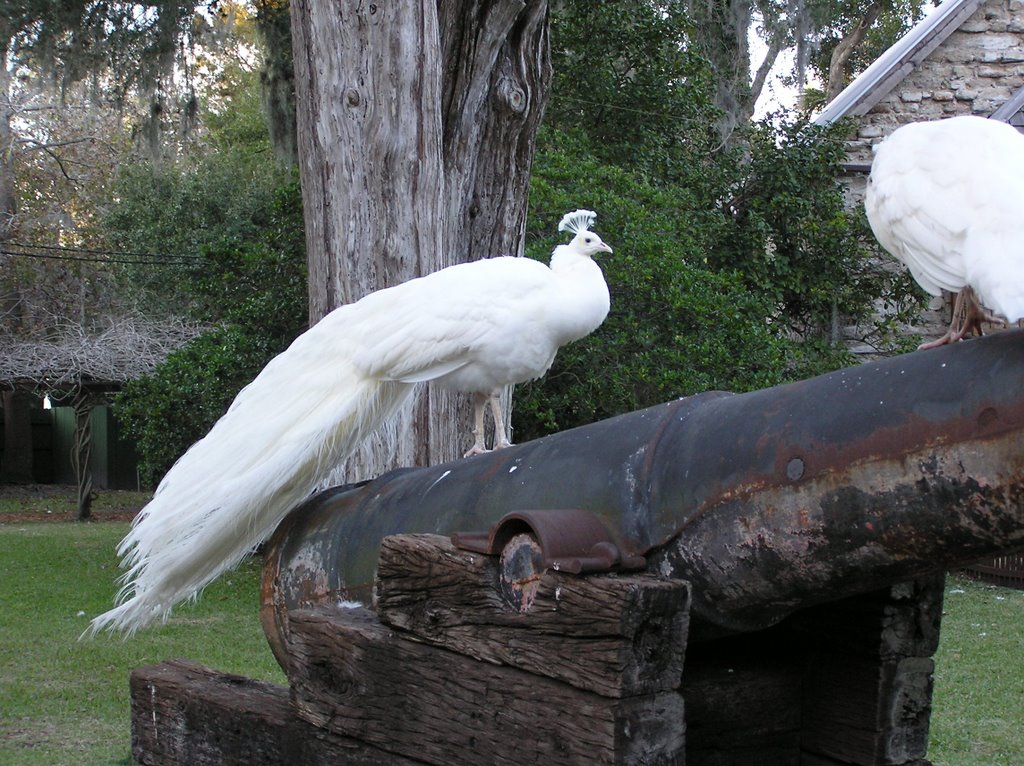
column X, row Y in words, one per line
column 577, row 221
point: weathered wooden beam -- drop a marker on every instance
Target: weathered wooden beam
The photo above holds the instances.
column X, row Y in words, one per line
column 186, row 715
column 842, row 684
column 903, row 620
column 811, row 759
column 868, row 682
column 868, row 712
column 615, row 635
column 354, row 676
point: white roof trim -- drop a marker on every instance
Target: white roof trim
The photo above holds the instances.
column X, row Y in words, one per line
column 905, row 55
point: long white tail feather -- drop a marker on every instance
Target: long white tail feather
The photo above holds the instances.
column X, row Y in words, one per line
column 232, row 488
column 363, row 462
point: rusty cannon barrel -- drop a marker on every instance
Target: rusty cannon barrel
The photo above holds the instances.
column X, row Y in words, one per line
column 767, row 502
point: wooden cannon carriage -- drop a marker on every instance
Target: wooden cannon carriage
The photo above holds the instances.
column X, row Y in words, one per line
column 725, row 579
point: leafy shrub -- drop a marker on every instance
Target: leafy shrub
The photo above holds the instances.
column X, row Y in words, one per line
column 790, row 233
column 259, row 287
column 675, row 327
column 169, row 410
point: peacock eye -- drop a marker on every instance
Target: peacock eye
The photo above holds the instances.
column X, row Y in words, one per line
column 588, row 240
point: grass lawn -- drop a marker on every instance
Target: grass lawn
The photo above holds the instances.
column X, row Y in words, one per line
column 64, row 702
column 978, row 717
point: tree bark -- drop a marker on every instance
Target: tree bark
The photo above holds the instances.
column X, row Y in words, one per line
column 8, row 206
column 277, row 78
column 845, row 49
column 9, row 298
column 416, row 133
column 763, row 70
column 81, row 454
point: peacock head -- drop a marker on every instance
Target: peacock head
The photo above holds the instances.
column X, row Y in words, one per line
column 585, row 242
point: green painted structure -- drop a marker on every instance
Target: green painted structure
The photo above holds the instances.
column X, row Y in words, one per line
column 113, row 460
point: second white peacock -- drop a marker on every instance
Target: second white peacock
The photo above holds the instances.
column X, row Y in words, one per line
column 947, row 199
column 475, row 327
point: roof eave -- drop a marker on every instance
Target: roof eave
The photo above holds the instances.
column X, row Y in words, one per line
column 903, row 57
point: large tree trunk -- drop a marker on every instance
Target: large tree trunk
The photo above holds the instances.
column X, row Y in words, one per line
column 416, row 129
column 277, row 79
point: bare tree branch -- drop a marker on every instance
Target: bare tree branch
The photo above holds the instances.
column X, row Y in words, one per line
column 128, row 348
column 20, row 109
column 761, row 76
column 45, row 145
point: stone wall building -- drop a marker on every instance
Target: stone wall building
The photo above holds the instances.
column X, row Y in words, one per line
column 966, row 57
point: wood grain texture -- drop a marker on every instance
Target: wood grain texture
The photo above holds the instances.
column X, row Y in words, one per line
column 868, row 682
column 743, row 708
column 615, row 635
column 868, row 712
column 186, row 715
column 900, row 621
column 354, row 676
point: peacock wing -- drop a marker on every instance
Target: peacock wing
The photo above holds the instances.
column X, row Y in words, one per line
column 915, row 206
column 429, row 327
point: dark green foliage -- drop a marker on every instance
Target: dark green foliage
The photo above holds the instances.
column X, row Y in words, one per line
column 626, row 74
column 675, row 328
column 222, row 192
column 174, row 216
column 735, row 266
column 736, row 281
column 259, row 281
column 169, row 410
column 226, row 230
column 790, row 233
column 255, row 286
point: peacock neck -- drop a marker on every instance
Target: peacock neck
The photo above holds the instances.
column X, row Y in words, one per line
column 584, row 302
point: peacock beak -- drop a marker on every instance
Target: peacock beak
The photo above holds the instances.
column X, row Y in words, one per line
column 605, row 247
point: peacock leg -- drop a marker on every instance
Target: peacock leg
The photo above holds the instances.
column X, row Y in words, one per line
column 479, row 447
column 500, row 436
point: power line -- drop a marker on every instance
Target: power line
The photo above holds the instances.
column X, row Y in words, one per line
column 86, row 259
column 113, row 253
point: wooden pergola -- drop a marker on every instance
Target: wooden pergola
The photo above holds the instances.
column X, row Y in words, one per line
column 83, row 369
